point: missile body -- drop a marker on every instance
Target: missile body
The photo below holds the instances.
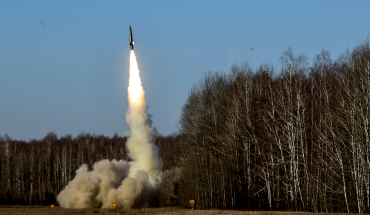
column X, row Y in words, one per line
column 131, row 40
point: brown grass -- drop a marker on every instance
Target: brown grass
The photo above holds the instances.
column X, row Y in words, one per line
column 43, row 210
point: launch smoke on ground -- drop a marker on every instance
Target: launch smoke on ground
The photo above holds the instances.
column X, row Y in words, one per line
column 129, row 184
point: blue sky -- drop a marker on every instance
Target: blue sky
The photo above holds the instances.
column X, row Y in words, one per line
column 64, row 64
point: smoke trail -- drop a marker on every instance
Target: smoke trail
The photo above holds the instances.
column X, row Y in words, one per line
column 126, row 183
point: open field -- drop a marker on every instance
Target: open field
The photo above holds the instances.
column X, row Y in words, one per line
column 43, row 210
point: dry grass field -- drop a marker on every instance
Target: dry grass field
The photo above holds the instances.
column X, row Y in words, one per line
column 43, row 210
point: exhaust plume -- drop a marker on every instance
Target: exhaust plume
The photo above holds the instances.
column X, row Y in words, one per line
column 129, row 184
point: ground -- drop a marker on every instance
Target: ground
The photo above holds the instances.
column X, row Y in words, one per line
column 43, row 210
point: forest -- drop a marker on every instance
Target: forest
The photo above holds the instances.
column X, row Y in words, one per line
column 295, row 138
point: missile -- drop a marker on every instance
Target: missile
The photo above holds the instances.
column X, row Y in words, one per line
column 131, row 40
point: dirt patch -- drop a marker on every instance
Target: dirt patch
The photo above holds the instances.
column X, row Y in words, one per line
column 43, row 210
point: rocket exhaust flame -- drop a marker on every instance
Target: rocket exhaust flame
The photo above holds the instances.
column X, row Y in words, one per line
column 135, row 90
column 129, row 184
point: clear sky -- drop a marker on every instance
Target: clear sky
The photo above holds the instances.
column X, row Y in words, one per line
column 64, row 64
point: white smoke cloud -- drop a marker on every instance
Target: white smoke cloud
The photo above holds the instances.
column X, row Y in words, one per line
column 126, row 183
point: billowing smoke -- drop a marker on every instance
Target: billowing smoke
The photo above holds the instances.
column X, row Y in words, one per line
column 128, row 184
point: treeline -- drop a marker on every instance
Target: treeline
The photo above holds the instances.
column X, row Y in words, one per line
column 298, row 140
column 34, row 172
